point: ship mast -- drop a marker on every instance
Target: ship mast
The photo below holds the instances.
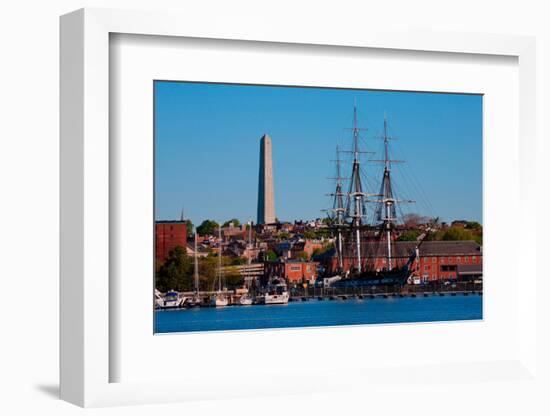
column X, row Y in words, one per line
column 356, row 207
column 338, row 210
column 387, row 196
column 220, row 260
column 249, row 260
column 386, row 211
column 196, row 273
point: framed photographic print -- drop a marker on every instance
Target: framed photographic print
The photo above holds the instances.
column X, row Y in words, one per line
column 359, row 241
column 288, row 213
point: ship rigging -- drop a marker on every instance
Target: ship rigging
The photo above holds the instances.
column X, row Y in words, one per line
column 358, row 242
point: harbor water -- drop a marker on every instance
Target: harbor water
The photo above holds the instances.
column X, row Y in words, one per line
column 316, row 313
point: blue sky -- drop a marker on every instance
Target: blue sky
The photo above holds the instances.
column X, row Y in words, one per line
column 207, row 139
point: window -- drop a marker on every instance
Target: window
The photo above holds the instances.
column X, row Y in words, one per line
column 458, row 259
column 433, row 259
column 474, row 259
column 465, row 259
column 426, row 267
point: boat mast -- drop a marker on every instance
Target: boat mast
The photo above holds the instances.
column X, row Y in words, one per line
column 356, row 208
column 220, row 260
column 249, row 260
column 388, row 197
column 386, row 211
column 338, row 211
column 196, row 274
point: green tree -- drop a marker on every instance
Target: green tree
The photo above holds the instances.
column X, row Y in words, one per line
column 208, row 267
column 235, row 221
column 233, row 278
column 310, row 234
column 435, row 236
column 473, row 225
column 207, row 227
column 189, row 228
column 270, row 255
column 176, row 272
column 237, row 261
column 409, row 235
column 455, row 233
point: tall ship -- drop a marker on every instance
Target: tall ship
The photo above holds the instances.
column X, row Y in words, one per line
column 364, row 250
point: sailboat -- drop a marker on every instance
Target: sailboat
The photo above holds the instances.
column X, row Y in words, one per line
column 358, row 242
column 196, row 299
column 246, row 299
column 220, row 297
column 337, row 216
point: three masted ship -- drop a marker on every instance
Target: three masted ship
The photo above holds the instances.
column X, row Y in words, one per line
column 364, row 250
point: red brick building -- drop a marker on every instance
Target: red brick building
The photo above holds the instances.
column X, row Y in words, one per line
column 168, row 235
column 449, row 260
column 438, row 260
column 308, row 246
column 291, row 270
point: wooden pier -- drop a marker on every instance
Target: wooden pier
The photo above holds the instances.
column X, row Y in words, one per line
column 319, row 294
column 383, row 295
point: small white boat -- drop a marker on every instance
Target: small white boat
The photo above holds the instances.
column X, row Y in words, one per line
column 219, row 300
column 159, row 301
column 194, row 301
column 276, row 293
column 172, row 300
column 245, row 300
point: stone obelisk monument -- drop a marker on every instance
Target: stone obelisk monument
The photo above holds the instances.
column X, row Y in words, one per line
column 266, row 197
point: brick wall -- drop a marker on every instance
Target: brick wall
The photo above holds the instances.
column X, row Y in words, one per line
column 168, row 235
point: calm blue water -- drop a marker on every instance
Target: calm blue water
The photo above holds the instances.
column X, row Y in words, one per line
column 321, row 313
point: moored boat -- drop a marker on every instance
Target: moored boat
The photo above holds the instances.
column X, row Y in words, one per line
column 246, row 300
column 172, row 300
column 276, row 293
column 220, row 298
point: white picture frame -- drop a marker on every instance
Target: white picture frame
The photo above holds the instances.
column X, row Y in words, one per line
column 86, row 291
